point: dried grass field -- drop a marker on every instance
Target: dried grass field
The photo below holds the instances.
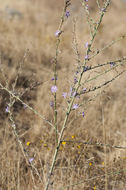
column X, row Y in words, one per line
column 92, row 153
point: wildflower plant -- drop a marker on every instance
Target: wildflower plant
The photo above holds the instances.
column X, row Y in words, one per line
column 79, row 87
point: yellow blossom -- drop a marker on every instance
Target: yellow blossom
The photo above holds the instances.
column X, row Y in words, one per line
column 28, row 143
column 124, row 157
column 41, row 141
column 90, row 164
column 73, row 136
column 45, row 145
column 94, row 187
column 78, row 146
column 63, row 143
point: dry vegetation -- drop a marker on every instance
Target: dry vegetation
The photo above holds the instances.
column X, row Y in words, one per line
column 29, row 41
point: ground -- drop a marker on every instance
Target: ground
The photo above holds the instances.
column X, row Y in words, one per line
column 27, row 49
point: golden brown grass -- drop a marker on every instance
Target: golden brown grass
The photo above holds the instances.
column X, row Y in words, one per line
column 78, row 166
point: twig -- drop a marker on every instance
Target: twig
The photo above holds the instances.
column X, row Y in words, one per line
column 29, row 107
column 94, row 144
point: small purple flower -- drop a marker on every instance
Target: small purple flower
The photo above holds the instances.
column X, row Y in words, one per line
column 85, row 68
column 7, row 110
column 53, row 78
column 75, row 106
column 67, row 14
column 13, row 125
column 30, row 160
column 86, row 0
column 64, row 94
column 112, row 64
column 57, row 33
column 83, row 114
column 77, row 72
column 53, row 89
column 25, row 106
column 52, row 104
column 84, row 89
column 86, row 44
column 75, row 80
column 86, row 57
column 103, row 9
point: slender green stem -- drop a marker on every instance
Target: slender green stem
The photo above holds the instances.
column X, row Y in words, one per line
column 55, row 68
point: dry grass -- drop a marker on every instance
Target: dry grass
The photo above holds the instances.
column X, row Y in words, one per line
column 77, row 163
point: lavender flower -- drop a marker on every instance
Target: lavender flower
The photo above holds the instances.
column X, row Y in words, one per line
column 75, row 106
column 112, row 64
column 30, row 160
column 67, row 14
column 86, row 44
column 52, row 104
column 53, row 89
column 85, row 68
column 83, row 114
column 7, row 110
column 77, row 72
column 57, row 33
column 86, row 57
column 64, row 94
column 13, row 125
column 84, row 89
column 75, row 80
column 25, row 106
column 53, row 78
column 103, row 9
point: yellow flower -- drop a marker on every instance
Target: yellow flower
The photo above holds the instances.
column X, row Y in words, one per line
column 73, row 136
column 28, row 143
column 124, row 157
column 90, row 164
column 63, row 143
column 103, row 163
column 45, row 145
column 78, row 146
column 94, row 187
